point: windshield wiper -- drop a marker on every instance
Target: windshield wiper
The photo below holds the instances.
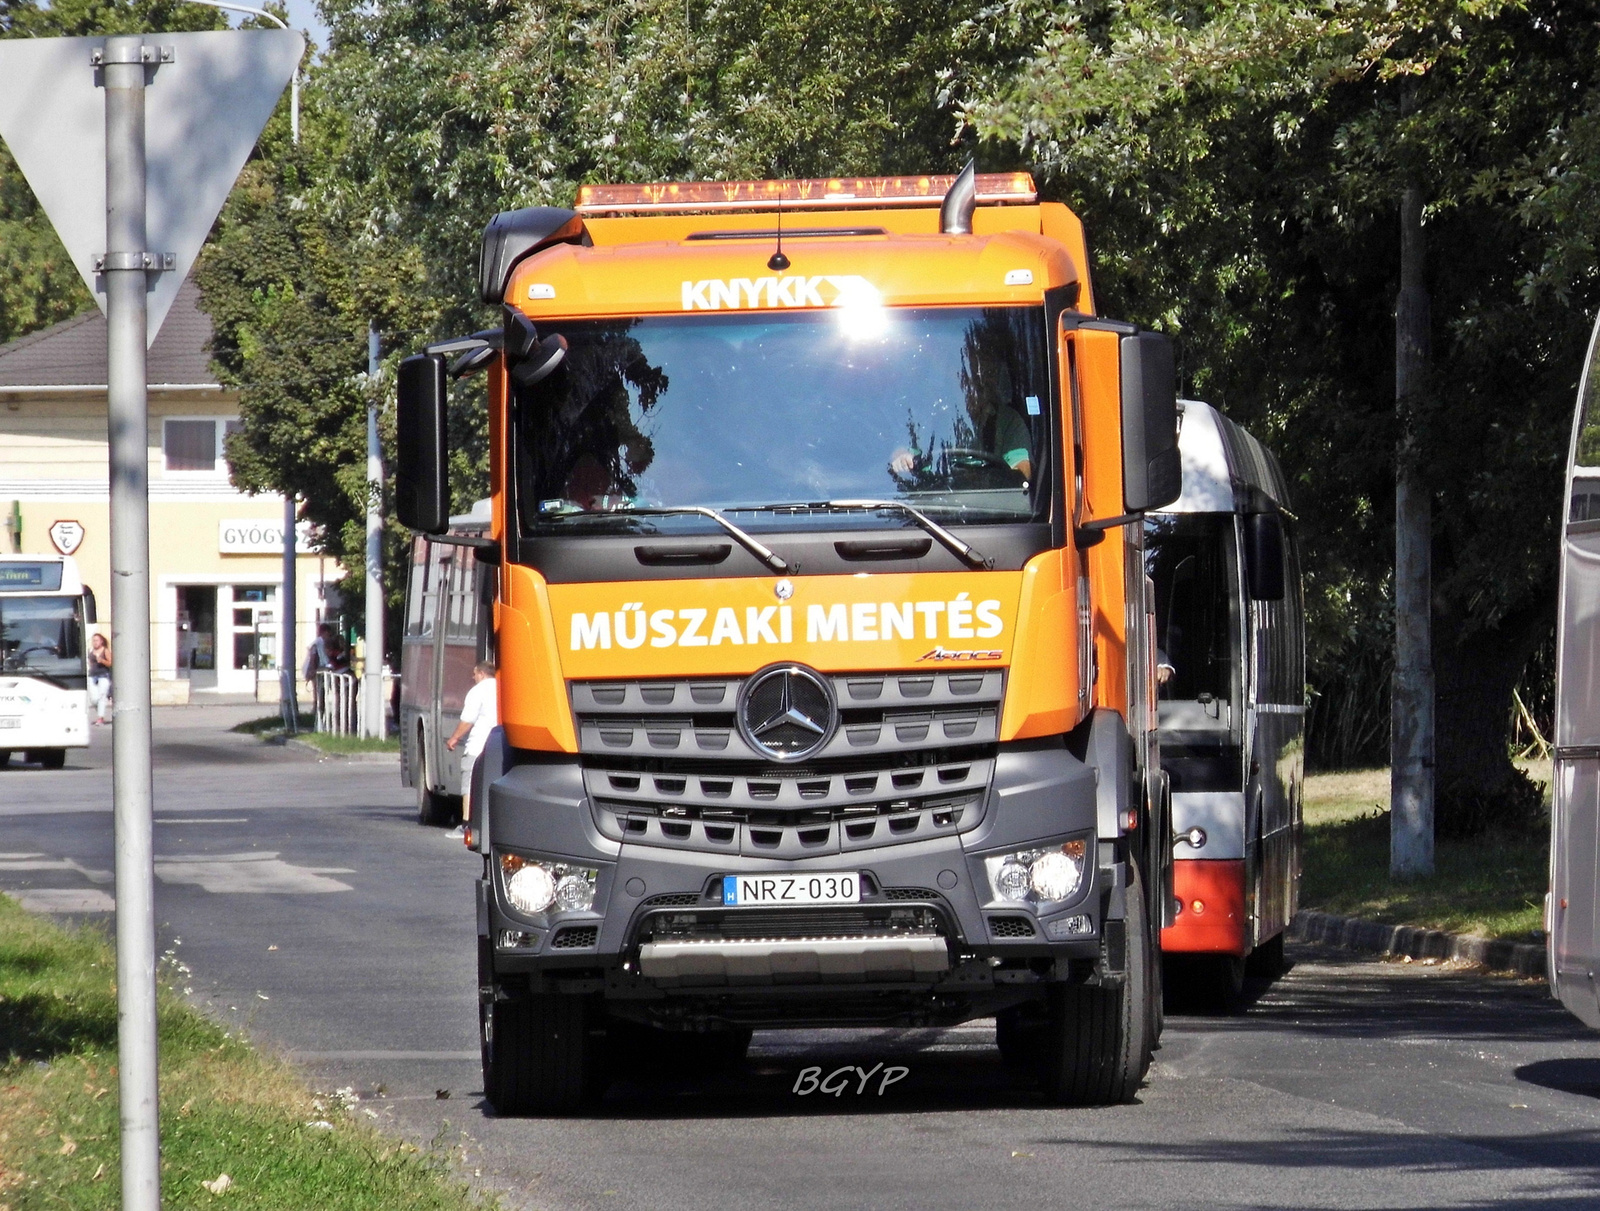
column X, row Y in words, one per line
column 765, row 554
column 949, row 541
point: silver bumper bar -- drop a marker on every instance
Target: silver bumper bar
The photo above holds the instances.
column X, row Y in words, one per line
column 794, row 960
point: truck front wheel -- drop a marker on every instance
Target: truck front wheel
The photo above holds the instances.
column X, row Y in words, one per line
column 1096, row 1039
column 541, row 1054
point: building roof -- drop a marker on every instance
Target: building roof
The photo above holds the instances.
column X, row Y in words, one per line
column 73, row 352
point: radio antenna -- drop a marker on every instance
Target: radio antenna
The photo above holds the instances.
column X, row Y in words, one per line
column 777, row 262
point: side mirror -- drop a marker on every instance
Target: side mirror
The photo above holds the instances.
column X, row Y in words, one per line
column 90, row 611
column 529, row 359
column 421, row 485
column 1152, row 473
column 1263, row 555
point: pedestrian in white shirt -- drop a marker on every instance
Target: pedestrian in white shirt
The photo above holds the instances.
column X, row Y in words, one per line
column 480, row 712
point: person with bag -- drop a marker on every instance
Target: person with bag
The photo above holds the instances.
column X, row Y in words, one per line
column 100, row 678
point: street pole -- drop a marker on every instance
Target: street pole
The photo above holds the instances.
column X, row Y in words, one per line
column 373, row 723
column 126, row 281
column 1411, row 702
column 289, row 653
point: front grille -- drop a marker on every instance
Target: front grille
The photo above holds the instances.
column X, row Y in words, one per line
column 1011, row 927
column 575, row 937
column 676, row 898
column 744, row 925
column 664, row 765
column 909, row 893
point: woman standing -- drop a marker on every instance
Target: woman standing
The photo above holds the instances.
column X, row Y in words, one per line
column 100, row 677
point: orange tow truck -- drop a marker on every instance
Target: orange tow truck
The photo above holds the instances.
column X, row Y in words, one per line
column 825, row 641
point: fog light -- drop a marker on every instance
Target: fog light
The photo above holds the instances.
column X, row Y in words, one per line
column 531, row 888
column 1067, row 927
column 1199, row 907
column 518, row 939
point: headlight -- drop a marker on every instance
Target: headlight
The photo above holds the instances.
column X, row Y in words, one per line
column 536, row 887
column 1039, row 875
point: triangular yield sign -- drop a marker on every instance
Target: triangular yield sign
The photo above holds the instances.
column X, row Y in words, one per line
column 203, row 113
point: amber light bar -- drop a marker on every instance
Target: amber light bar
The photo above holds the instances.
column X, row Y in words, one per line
column 816, row 194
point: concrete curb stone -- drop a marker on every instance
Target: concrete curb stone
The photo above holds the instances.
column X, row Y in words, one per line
column 308, row 747
column 1497, row 954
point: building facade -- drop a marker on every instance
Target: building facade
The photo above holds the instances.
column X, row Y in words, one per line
column 216, row 554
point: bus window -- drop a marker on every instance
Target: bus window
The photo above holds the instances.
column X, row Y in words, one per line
column 417, row 587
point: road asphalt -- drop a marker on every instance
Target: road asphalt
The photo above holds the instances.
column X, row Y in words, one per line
column 311, row 910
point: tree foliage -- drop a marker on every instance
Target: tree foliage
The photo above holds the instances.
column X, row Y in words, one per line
column 1239, row 166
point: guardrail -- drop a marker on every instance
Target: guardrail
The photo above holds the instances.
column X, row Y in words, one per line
column 340, row 709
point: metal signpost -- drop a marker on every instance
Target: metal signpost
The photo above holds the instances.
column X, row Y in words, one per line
column 373, row 709
column 132, row 188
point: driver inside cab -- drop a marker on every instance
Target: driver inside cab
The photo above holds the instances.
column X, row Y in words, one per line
column 1010, row 443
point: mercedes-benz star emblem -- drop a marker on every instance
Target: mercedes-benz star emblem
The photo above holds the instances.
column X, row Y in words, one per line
column 784, row 589
column 787, row 712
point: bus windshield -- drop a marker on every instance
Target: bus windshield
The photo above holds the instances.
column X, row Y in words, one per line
column 1190, row 558
column 772, row 418
column 41, row 637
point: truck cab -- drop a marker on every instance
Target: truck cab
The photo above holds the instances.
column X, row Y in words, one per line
column 826, row 689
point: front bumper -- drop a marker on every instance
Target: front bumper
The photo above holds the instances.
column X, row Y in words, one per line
column 927, row 917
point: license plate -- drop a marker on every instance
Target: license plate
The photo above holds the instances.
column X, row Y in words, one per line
column 833, row 888
column 10, row 721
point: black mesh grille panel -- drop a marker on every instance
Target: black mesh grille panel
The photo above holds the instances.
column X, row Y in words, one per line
column 576, row 937
column 1011, row 927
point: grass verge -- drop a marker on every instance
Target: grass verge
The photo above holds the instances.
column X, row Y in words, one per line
column 344, row 745
column 1490, row 886
column 225, row 1109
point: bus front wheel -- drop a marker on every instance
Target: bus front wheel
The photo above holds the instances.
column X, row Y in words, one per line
column 48, row 758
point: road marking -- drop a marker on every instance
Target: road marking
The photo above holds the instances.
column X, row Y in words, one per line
column 64, row 899
column 40, row 862
column 251, row 874
column 204, row 820
column 303, row 1057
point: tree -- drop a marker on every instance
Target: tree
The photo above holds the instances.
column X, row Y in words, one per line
column 1240, row 168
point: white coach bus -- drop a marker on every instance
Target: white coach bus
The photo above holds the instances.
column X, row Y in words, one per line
column 1572, row 914
column 44, row 699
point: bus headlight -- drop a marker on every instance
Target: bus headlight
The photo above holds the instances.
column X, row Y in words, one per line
column 1039, row 875
column 534, row 887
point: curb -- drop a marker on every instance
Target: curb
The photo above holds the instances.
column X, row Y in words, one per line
column 1521, row 958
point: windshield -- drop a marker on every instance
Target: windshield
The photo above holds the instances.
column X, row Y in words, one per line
column 1189, row 557
column 759, row 415
column 41, row 636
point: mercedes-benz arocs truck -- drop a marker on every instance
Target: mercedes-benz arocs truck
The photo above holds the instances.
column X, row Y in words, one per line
column 826, row 680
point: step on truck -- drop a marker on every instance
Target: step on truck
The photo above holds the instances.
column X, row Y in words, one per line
column 1230, row 700
column 826, row 675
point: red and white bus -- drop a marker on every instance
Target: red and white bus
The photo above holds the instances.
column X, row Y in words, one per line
column 449, row 627
column 1231, row 705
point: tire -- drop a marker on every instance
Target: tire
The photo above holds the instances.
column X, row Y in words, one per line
column 5, row 757
column 541, row 1055
column 1096, row 1044
column 48, row 758
column 433, row 809
column 1266, row 961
